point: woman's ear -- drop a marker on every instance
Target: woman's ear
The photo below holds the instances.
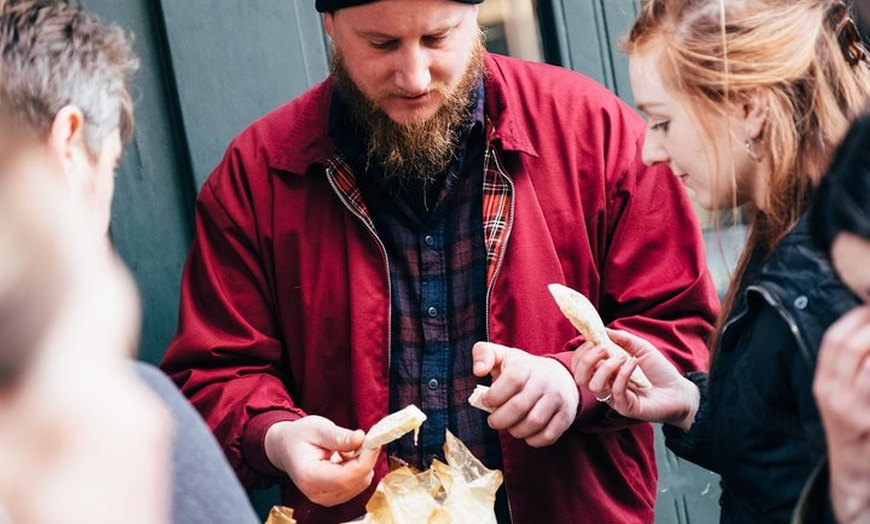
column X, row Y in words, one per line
column 66, row 144
column 755, row 112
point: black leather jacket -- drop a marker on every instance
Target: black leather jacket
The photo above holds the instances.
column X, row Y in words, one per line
column 758, row 425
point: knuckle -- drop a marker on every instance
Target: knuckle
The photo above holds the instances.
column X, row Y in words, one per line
column 523, row 405
column 515, row 433
column 550, row 436
column 589, row 358
column 537, row 420
column 535, row 443
column 513, row 379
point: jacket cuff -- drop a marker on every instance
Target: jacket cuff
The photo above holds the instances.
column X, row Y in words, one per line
column 254, row 441
column 686, row 443
column 589, row 408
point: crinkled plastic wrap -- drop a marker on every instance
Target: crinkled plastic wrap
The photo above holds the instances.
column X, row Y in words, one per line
column 459, row 492
column 281, row 515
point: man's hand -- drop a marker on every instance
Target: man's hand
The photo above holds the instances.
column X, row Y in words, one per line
column 319, row 457
column 533, row 398
column 671, row 399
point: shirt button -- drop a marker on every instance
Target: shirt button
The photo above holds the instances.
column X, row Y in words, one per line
column 430, row 240
column 433, row 312
column 433, row 384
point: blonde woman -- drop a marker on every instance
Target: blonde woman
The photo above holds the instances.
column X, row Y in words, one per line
column 745, row 101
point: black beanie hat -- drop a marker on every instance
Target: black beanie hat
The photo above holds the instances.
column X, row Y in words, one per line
column 333, row 5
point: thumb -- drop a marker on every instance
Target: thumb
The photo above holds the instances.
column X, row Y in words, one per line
column 334, row 438
column 488, row 358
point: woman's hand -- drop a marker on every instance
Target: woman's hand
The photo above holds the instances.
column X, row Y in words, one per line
column 842, row 391
column 672, row 399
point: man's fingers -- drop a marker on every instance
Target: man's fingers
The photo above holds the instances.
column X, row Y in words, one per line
column 488, row 358
column 328, row 483
column 342, row 473
column 535, row 421
column 514, row 409
column 551, row 433
column 334, row 438
column 506, row 386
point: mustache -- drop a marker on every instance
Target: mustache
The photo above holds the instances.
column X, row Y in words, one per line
column 436, row 88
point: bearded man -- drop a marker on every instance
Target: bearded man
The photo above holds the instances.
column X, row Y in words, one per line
column 387, row 238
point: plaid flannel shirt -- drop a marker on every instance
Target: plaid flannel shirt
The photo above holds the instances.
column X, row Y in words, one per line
column 440, row 267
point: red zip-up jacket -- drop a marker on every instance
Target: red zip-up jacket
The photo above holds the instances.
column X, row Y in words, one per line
column 285, row 307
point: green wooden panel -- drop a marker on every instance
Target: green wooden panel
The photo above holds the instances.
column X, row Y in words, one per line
column 584, row 38
column 618, row 17
column 234, row 61
column 592, row 30
column 151, row 213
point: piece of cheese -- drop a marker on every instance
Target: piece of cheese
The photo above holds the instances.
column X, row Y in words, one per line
column 582, row 314
column 394, row 426
column 476, row 398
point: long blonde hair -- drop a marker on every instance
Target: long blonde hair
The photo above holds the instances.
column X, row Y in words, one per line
column 715, row 53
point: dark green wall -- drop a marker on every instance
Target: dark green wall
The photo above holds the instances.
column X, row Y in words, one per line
column 209, row 68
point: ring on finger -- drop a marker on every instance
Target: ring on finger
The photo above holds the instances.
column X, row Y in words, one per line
column 605, row 400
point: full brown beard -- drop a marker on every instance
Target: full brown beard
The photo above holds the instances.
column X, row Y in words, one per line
column 421, row 149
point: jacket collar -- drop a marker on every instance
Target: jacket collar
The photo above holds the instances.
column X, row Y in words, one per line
column 805, row 290
column 501, row 110
column 307, row 140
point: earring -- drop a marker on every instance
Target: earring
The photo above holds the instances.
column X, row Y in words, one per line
column 749, row 151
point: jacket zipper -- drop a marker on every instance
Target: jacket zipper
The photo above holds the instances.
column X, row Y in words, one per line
column 491, row 285
column 730, row 323
column 504, row 243
column 330, row 175
column 774, row 302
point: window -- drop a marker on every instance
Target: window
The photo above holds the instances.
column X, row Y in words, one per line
column 512, row 28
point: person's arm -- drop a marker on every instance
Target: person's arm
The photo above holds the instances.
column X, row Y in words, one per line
column 227, row 356
column 654, row 278
column 229, row 359
column 204, row 487
column 654, row 282
column 842, row 391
